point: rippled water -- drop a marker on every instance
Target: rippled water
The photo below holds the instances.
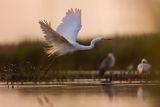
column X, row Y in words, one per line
column 82, row 96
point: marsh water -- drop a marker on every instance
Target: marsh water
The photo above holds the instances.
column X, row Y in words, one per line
column 82, row 96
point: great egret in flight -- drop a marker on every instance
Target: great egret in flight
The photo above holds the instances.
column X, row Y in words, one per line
column 63, row 40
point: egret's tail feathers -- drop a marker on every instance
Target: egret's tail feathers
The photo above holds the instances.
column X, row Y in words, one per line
column 56, row 50
column 50, row 52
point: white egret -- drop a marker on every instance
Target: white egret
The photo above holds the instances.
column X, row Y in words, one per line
column 63, row 40
column 144, row 70
column 144, row 66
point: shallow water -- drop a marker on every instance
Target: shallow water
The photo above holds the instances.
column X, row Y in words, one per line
column 82, row 96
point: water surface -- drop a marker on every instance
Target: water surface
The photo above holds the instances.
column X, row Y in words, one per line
column 82, row 96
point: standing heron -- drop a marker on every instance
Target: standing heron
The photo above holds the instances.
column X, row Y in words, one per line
column 107, row 63
column 144, row 68
column 63, row 39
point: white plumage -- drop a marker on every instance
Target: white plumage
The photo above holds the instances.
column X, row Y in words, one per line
column 63, row 40
column 71, row 25
column 144, row 66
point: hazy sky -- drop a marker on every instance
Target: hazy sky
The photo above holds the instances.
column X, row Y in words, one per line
column 19, row 18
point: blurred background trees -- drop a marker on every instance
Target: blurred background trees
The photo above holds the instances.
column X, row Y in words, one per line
column 27, row 60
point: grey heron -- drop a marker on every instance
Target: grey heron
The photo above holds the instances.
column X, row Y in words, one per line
column 63, row 39
column 107, row 63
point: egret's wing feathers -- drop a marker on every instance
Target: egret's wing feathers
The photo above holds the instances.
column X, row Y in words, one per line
column 71, row 24
column 50, row 34
column 56, row 42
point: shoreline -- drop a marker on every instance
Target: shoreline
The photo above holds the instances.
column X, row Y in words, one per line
column 75, row 83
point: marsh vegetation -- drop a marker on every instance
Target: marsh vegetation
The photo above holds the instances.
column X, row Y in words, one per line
column 27, row 60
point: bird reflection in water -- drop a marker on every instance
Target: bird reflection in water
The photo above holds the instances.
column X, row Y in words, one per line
column 44, row 101
column 142, row 92
column 108, row 90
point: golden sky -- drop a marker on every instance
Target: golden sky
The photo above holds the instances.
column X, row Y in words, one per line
column 19, row 18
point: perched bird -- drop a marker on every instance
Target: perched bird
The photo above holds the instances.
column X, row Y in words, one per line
column 130, row 67
column 143, row 67
column 107, row 63
column 63, row 40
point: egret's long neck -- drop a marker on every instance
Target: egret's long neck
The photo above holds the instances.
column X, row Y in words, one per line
column 92, row 44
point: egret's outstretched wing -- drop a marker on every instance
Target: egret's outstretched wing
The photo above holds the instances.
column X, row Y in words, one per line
column 57, row 43
column 71, row 24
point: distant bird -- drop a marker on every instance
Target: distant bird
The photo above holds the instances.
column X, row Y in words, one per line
column 144, row 66
column 107, row 63
column 63, row 40
column 130, row 67
column 130, row 71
